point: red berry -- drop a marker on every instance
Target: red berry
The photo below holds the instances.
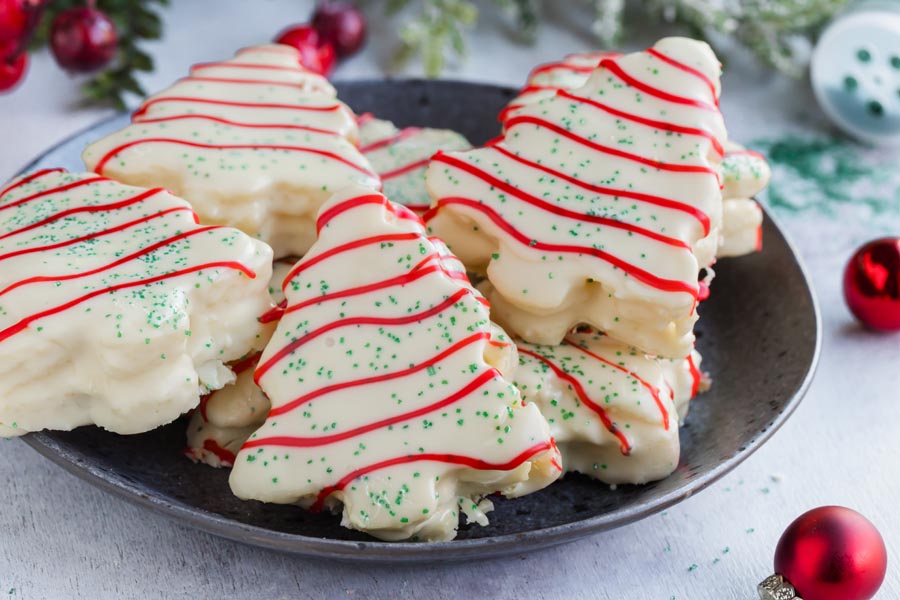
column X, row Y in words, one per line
column 13, row 20
column 83, row 39
column 342, row 24
column 316, row 54
column 12, row 70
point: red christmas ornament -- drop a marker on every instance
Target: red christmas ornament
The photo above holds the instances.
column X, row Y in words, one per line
column 342, row 24
column 13, row 20
column 872, row 284
column 83, row 39
column 12, row 67
column 828, row 553
column 316, row 54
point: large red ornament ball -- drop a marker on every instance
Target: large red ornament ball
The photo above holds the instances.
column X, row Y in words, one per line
column 83, row 39
column 316, row 54
column 13, row 65
column 872, row 284
column 832, row 553
column 342, row 24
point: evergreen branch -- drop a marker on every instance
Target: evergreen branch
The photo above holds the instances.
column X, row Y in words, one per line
column 779, row 32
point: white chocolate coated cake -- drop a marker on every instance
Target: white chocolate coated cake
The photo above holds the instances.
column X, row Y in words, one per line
column 613, row 411
column 116, row 307
column 391, row 390
column 256, row 142
column 598, row 205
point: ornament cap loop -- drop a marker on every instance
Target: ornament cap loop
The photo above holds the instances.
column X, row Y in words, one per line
column 776, row 587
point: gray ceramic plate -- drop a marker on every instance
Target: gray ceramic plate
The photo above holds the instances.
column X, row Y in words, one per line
column 758, row 335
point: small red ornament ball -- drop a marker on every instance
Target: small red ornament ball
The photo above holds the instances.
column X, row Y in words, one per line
column 13, row 20
column 316, row 54
column 832, row 553
column 83, row 39
column 872, row 284
column 342, row 24
column 12, row 68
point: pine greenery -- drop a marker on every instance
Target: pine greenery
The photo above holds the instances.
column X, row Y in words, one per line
column 779, row 32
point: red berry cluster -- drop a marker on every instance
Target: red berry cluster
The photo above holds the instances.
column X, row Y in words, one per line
column 81, row 38
column 337, row 30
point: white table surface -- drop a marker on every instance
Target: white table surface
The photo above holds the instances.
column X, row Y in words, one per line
column 61, row 538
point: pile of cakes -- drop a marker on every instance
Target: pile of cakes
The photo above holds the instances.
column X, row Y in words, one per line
column 306, row 296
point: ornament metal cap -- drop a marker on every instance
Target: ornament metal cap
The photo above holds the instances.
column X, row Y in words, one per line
column 776, row 587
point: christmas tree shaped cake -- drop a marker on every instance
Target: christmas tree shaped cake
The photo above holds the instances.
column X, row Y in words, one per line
column 597, row 206
column 256, row 142
column 400, row 157
column 116, row 307
column 613, row 411
column 391, row 389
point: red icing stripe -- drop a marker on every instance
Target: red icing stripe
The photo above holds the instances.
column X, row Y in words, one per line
column 520, row 119
column 226, row 456
column 273, row 49
column 229, row 80
column 391, row 140
column 555, row 208
column 414, row 274
column 696, row 376
column 364, row 118
column 28, row 179
column 454, row 459
column 330, row 155
column 687, row 69
column 192, row 100
column 293, row 404
column 419, row 164
column 398, row 210
column 378, row 239
column 263, row 368
column 608, row 191
column 239, row 123
column 624, row 444
column 648, row 122
column 61, row 188
column 614, row 68
column 563, row 66
column 273, row 314
column 654, row 391
column 667, row 285
column 299, row 69
column 323, row 440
